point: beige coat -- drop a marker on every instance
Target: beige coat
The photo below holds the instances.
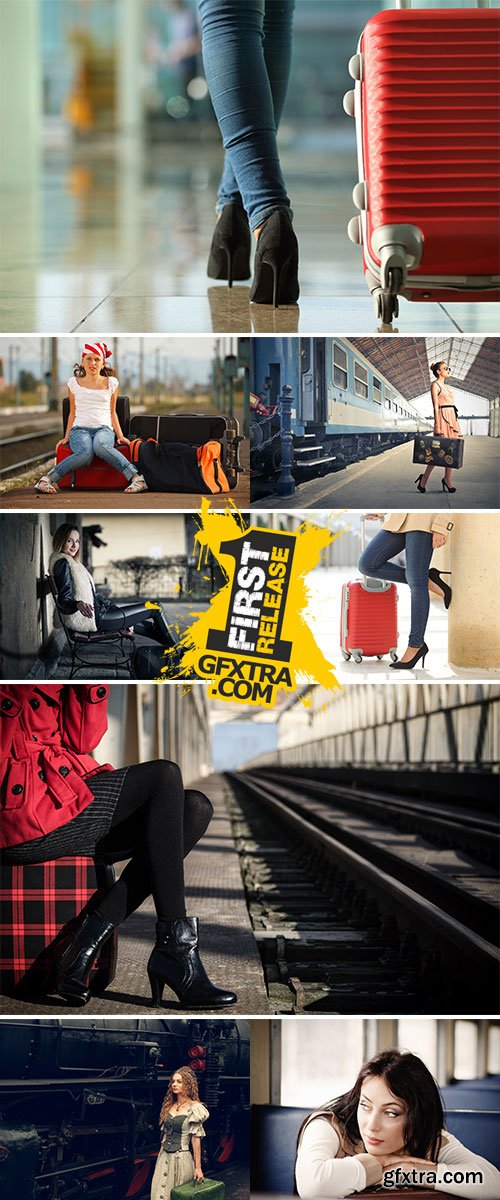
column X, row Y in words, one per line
column 429, row 522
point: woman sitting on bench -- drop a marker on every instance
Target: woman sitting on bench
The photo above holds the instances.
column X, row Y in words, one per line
column 390, row 1125
column 83, row 610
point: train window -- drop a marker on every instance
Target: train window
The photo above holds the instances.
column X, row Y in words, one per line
column 466, row 1050
column 360, row 380
column 308, row 1070
column 388, row 403
column 339, row 366
column 420, row 1036
column 305, row 355
column 493, row 1066
column 377, row 390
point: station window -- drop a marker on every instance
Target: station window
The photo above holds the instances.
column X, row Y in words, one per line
column 419, row 1035
column 466, row 1050
column 339, row 366
column 360, row 381
column 315, row 1063
column 377, row 390
column 305, row 355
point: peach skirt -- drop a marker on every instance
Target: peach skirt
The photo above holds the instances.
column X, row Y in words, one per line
column 447, row 422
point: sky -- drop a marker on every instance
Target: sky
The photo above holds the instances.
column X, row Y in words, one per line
column 190, row 355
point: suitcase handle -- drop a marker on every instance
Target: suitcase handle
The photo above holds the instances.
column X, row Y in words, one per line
column 408, row 4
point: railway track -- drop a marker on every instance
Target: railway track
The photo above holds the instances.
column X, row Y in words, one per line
column 353, row 913
column 25, row 451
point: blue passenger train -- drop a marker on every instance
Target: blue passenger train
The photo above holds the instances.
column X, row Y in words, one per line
column 343, row 409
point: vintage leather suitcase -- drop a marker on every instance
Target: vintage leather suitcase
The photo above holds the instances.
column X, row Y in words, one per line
column 210, row 1189
column 442, row 452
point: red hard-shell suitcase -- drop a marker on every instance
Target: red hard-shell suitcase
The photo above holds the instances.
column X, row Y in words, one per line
column 99, row 475
column 427, row 109
column 369, row 621
column 39, row 902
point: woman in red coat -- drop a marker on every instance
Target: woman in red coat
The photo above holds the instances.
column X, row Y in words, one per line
column 56, row 800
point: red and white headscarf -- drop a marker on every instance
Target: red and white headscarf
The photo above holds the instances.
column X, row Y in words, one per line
column 97, row 348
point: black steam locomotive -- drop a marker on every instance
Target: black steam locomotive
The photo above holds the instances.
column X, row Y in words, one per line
column 80, row 1102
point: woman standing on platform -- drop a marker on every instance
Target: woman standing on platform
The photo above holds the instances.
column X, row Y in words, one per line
column 93, row 422
column 181, row 1117
column 247, row 51
column 419, row 535
column 56, row 800
column 445, row 422
column 391, row 1121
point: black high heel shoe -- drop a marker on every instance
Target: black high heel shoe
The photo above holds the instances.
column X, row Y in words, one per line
column 417, row 481
column 175, row 961
column 229, row 256
column 275, row 279
column 435, row 575
column 75, row 963
column 446, row 487
column 412, row 662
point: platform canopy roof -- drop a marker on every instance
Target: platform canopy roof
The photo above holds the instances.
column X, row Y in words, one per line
column 405, row 361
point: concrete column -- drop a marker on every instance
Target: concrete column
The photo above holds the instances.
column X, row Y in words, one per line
column 474, row 631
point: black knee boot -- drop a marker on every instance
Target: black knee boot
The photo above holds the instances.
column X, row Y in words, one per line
column 74, row 965
column 175, row 961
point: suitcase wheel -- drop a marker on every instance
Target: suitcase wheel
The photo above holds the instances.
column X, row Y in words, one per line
column 394, row 656
column 346, row 655
column 387, row 307
column 379, row 656
column 358, row 658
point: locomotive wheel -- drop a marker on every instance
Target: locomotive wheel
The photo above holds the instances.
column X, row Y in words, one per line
column 358, row 658
column 346, row 655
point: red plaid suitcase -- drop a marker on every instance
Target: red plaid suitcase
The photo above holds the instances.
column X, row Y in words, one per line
column 427, row 108
column 98, row 476
column 39, row 902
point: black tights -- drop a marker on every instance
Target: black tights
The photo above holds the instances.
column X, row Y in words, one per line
column 156, row 823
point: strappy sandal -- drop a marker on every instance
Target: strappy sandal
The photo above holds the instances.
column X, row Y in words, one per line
column 138, row 484
column 45, row 485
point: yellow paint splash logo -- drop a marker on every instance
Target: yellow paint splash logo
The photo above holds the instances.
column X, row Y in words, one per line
column 253, row 640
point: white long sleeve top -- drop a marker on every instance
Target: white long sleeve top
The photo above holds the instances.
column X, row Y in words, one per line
column 321, row 1175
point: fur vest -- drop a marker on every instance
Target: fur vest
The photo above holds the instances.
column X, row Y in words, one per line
column 83, row 589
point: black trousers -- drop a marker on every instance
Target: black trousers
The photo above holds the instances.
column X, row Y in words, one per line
column 156, row 823
column 149, row 621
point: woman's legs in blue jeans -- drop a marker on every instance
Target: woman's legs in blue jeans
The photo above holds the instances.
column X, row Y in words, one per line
column 80, row 442
column 247, row 53
column 104, row 447
column 375, row 562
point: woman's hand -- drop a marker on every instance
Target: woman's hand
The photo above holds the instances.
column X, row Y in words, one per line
column 373, row 516
column 85, row 609
column 406, row 1164
column 64, row 442
column 438, row 540
column 198, row 1175
column 123, row 441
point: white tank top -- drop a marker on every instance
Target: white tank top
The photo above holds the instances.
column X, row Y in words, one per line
column 93, row 407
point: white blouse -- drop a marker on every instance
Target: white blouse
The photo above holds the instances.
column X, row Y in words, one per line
column 321, row 1175
column 92, row 405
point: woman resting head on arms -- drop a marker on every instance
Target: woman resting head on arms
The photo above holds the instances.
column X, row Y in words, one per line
column 392, row 1120
column 181, row 1123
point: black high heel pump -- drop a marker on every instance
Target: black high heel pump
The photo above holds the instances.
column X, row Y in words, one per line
column 435, row 575
column 275, row 279
column 175, row 961
column 446, row 487
column 417, row 481
column 229, row 256
column 412, row 662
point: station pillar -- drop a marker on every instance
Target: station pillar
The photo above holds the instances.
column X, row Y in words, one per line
column 473, row 631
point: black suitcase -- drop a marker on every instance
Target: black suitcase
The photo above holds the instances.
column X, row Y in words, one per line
column 194, row 429
column 122, row 412
column 440, row 451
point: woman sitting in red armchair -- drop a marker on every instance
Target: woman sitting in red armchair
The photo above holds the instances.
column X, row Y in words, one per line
column 56, row 800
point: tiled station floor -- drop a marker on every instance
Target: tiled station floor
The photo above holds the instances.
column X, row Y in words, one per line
column 116, row 237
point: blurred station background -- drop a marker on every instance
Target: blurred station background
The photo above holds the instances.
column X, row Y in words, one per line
column 111, row 166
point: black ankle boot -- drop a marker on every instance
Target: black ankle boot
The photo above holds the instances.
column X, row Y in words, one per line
column 229, row 256
column 175, row 961
column 74, row 965
column 275, row 279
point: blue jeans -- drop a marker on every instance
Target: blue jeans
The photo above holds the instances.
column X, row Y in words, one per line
column 85, row 443
column 247, row 51
column 375, row 563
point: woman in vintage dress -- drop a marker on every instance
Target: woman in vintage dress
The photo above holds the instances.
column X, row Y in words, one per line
column 445, row 421
column 181, row 1122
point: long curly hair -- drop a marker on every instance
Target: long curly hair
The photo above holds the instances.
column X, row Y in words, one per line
column 190, row 1086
